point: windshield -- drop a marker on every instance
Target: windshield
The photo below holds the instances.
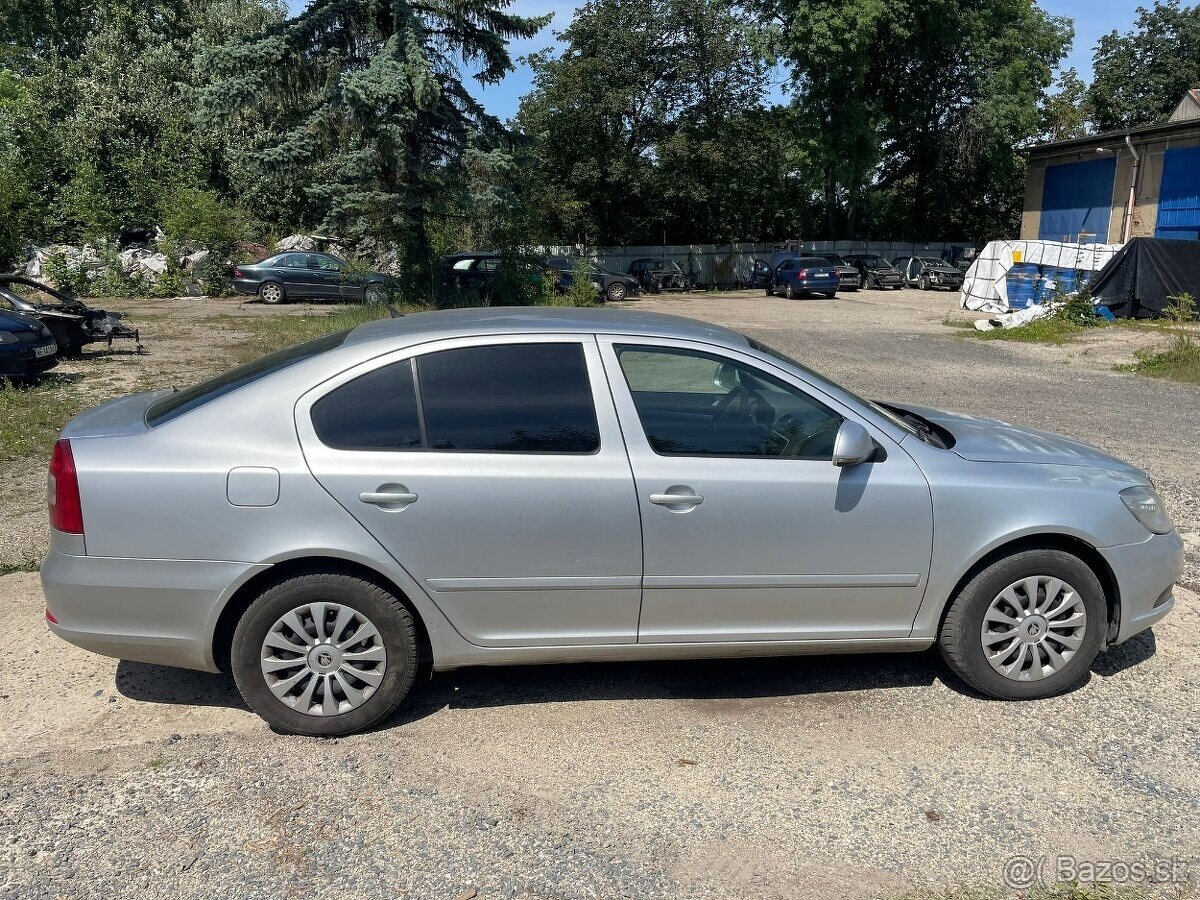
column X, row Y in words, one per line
column 822, row 380
column 835, row 259
column 930, row 261
column 875, row 261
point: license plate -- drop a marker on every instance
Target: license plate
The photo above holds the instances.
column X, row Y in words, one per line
column 48, row 350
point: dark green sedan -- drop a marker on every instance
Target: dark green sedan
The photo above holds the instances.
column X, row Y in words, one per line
column 311, row 276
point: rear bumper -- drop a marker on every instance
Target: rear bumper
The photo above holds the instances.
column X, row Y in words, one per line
column 1146, row 574
column 246, row 285
column 159, row 611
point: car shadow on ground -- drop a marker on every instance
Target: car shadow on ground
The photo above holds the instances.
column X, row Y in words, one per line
column 720, row 684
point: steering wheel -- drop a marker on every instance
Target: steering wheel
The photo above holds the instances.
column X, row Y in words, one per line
column 797, row 445
column 733, row 407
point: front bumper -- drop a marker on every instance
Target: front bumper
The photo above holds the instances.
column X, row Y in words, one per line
column 159, row 611
column 1146, row 573
column 22, row 361
column 887, row 279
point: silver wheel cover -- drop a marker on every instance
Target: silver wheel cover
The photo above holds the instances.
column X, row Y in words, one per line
column 323, row 659
column 1033, row 628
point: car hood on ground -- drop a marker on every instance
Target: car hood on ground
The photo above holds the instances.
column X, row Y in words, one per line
column 988, row 440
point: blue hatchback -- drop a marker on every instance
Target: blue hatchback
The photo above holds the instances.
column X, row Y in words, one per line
column 27, row 347
column 803, row 275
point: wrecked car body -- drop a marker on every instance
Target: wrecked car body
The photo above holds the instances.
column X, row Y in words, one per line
column 73, row 323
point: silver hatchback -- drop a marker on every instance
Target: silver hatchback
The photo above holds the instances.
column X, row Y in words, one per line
column 499, row 486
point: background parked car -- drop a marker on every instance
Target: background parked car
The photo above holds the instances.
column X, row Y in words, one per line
column 73, row 323
column 848, row 275
column 799, row 276
column 876, row 272
column 311, row 276
column 655, row 275
column 477, row 273
column 609, row 285
column 928, row 272
column 27, row 347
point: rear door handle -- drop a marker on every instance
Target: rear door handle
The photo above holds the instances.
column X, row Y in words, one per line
column 390, row 497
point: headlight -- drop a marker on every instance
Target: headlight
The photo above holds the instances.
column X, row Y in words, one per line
column 1147, row 507
column 7, row 337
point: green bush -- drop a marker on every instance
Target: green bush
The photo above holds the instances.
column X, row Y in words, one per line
column 192, row 217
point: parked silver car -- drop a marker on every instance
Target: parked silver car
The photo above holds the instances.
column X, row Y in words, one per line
column 496, row 486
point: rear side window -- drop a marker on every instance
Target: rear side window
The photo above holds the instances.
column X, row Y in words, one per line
column 376, row 411
column 180, row 402
column 520, row 398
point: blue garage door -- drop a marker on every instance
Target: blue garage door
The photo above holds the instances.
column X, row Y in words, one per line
column 1077, row 199
column 1179, row 196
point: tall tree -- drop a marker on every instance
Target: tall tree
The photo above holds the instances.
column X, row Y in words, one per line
column 925, row 99
column 362, row 102
column 1140, row 75
column 646, row 124
column 1066, row 112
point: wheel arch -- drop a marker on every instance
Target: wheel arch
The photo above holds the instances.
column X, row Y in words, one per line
column 1067, row 543
column 245, row 594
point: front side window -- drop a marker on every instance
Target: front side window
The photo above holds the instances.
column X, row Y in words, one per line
column 692, row 403
column 518, row 398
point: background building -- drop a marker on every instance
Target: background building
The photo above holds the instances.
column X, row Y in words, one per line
column 1107, row 188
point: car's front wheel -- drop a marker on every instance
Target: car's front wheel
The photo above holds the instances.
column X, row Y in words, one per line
column 271, row 292
column 375, row 294
column 924, row 283
column 617, row 292
column 1027, row 626
column 325, row 654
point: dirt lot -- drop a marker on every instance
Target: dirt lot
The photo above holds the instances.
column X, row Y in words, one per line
column 851, row 776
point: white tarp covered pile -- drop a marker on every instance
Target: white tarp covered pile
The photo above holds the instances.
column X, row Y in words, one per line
column 985, row 288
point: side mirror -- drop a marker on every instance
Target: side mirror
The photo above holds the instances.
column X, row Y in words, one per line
column 725, row 377
column 853, row 445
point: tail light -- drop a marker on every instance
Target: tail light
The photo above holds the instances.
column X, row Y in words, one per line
column 66, row 510
column 237, row 273
column 802, row 273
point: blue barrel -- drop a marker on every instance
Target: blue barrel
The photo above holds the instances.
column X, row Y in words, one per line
column 1021, row 283
column 1065, row 280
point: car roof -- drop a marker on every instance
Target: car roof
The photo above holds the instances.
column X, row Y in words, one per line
column 450, row 323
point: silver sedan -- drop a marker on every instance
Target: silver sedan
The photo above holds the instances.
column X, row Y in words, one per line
column 500, row 486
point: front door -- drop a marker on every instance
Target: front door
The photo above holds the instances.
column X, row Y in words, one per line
column 750, row 533
column 493, row 471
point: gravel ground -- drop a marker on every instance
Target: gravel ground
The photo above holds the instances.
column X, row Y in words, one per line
column 857, row 776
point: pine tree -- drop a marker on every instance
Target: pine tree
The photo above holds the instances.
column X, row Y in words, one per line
column 361, row 104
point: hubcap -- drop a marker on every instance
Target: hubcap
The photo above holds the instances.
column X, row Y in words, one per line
column 323, row 659
column 1033, row 628
column 271, row 293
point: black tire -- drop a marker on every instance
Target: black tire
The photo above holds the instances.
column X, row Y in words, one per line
column 924, row 284
column 272, row 292
column 789, row 291
column 960, row 637
column 770, row 292
column 870, row 284
column 617, row 292
column 389, row 615
column 832, row 295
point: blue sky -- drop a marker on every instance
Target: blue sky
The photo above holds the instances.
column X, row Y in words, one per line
column 1093, row 18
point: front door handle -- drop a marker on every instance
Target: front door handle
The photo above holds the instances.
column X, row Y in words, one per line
column 389, row 496
column 677, row 498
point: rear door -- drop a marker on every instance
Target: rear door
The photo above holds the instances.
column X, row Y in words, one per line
column 494, row 471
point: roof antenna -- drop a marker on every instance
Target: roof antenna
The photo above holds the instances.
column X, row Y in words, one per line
column 394, row 313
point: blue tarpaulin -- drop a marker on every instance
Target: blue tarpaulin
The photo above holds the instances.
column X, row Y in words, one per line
column 1077, row 200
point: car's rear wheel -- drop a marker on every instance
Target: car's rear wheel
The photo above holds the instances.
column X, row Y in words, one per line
column 1027, row 626
column 271, row 292
column 832, row 295
column 617, row 292
column 770, row 291
column 325, row 654
column 375, row 294
column 789, row 291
